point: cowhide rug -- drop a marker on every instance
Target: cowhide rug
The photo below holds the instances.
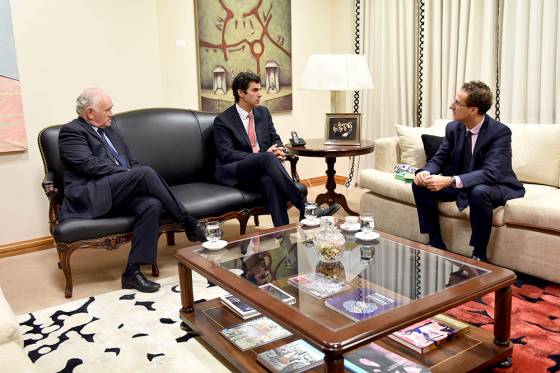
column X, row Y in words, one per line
column 120, row 331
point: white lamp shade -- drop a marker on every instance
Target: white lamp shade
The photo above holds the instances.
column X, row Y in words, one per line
column 336, row 72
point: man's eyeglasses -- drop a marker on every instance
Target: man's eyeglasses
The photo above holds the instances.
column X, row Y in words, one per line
column 457, row 103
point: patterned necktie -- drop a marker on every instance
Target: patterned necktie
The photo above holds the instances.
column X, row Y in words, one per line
column 252, row 134
column 462, row 195
column 119, row 158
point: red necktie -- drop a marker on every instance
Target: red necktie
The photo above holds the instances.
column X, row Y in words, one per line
column 252, row 134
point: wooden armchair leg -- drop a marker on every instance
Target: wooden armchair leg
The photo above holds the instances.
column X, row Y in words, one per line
column 65, row 263
column 256, row 218
column 243, row 225
column 170, row 236
column 155, row 270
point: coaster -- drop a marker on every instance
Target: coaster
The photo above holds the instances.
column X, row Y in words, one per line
column 216, row 245
column 311, row 222
column 367, row 236
column 350, row 227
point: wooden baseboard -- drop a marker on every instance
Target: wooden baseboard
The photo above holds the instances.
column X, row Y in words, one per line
column 42, row 243
column 24, row 247
column 321, row 180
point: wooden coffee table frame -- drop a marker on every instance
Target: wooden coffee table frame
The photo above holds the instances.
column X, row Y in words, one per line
column 209, row 317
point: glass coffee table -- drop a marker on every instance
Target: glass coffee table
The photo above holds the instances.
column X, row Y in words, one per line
column 408, row 281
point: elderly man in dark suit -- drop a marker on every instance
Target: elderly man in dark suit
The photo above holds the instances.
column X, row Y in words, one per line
column 102, row 177
column 250, row 152
column 477, row 152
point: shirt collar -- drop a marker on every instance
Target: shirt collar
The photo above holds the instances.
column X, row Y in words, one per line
column 242, row 113
column 476, row 129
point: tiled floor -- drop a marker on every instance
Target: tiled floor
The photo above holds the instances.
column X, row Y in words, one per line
column 33, row 281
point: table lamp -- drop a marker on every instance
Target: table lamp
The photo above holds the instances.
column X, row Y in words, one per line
column 336, row 73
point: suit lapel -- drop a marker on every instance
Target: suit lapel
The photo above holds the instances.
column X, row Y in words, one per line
column 259, row 129
column 482, row 136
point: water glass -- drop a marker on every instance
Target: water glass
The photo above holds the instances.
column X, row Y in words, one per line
column 213, row 231
column 310, row 211
column 367, row 224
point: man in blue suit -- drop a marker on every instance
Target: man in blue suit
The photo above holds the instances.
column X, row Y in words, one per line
column 476, row 151
column 102, row 177
column 250, row 152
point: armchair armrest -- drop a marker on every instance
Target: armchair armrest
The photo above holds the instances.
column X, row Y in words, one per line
column 293, row 163
column 52, row 192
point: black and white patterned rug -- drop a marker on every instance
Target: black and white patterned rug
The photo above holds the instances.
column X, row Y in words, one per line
column 120, row 331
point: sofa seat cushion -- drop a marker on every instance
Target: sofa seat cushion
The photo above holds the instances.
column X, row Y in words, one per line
column 385, row 184
column 9, row 328
column 203, row 200
column 538, row 209
column 72, row 230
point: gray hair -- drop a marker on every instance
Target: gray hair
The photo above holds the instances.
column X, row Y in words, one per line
column 87, row 98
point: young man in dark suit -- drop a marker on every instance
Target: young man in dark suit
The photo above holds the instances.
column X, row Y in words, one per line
column 102, row 177
column 250, row 152
column 477, row 150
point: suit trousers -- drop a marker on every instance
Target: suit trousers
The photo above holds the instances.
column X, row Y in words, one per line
column 143, row 193
column 265, row 172
column 482, row 201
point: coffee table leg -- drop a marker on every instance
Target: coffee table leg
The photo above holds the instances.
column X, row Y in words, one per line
column 502, row 325
column 334, row 363
column 331, row 196
column 185, row 282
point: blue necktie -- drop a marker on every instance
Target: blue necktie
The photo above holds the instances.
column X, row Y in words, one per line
column 462, row 195
column 119, row 158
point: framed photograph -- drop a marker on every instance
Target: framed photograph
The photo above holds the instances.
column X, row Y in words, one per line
column 236, row 36
column 343, row 129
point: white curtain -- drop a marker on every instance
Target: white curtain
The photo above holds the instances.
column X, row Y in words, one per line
column 389, row 39
column 530, row 69
column 460, row 45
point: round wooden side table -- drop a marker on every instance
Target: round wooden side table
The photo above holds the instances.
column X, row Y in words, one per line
column 317, row 148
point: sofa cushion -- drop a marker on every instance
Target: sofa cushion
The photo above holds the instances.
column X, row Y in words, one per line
column 538, row 162
column 203, row 200
column 410, row 142
column 9, row 328
column 538, row 209
column 385, row 184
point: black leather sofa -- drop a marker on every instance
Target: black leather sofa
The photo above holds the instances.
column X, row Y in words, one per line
column 177, row 143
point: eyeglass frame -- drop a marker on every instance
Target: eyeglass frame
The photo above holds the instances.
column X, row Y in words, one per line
column 457, row 103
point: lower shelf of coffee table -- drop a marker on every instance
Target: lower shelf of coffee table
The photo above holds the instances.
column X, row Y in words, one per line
column 470, row 352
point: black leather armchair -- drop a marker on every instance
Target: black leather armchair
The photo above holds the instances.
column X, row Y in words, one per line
column 177, row 143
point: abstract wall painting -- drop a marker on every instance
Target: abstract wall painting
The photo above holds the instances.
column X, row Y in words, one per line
column 249, row 35
column 12, row 126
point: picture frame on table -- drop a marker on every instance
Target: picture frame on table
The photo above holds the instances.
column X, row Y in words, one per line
column 343, row 128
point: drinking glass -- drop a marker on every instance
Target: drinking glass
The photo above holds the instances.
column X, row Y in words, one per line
column 213, row 231
column 366, row 223
column 310, row 212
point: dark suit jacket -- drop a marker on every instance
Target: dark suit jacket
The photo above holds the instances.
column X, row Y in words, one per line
column 232, row 141
column 86, row 164
column 491, row 159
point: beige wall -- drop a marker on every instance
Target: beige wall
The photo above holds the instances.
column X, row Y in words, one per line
column 128, row 48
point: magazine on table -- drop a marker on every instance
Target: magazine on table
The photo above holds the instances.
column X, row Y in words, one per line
column 318, row 285
column 239, row 307
column 361, row 304
column 426, row 335
column 254, row 333
column 297, row 356
column 276, row 292
column 374, row 358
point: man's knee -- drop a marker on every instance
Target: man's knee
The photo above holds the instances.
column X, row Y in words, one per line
column 152, row 205
column 480, row 194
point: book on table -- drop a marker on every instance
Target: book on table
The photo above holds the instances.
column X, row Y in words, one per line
column 276, row 292
column 426, row 335
column 254, row 333
column 374, row 358
column 361, row 303
column 239, row 307
column 297, row 356
column 318, row 285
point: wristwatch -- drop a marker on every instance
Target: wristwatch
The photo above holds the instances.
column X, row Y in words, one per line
column 453, row 182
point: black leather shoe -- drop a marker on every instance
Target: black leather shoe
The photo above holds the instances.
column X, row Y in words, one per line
column 197, row 234
column 328, row 211
column 137, row 281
